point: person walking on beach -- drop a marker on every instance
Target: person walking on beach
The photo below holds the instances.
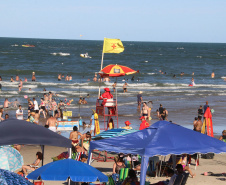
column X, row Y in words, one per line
column 51, row 122
column 144, row 124
column 200, row 111
column 36, row 109
column 139, row 99
column 74, row 136
column 205, row 107
column 198, row 125
column 145, row 111
column 160, row 111
column 20, row 113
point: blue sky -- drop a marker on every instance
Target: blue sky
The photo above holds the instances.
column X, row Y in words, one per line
column 128, row 20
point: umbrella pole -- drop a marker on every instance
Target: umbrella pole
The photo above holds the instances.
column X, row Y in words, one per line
column 43, row 148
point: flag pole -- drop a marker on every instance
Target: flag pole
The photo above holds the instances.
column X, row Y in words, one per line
column 101, row 66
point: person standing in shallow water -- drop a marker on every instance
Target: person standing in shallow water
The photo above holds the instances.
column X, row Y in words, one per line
column 33, row 78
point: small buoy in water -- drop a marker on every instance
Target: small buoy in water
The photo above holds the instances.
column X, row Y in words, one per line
column 62, row 63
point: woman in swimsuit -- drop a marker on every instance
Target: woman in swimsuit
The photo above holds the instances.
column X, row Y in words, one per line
column 184, row 164
column 42, row 108
column 119, row 163
column 30, row 106
column 34, row 165
column 86, row 141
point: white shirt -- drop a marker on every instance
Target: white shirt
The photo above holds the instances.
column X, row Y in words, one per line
column 36, row 105
column 19, row 114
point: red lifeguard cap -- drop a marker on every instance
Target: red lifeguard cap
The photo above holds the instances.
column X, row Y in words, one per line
column 142, row 117
column 127, row 123
column 107, row 89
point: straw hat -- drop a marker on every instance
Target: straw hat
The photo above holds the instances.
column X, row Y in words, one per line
column 140, row 92
column 93, row 111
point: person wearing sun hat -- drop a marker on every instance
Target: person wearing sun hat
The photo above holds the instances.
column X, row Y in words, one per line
column 127, row 123
column 106, row 95
column 144, row 124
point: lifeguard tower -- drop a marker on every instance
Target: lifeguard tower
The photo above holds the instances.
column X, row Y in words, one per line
column 107, row 111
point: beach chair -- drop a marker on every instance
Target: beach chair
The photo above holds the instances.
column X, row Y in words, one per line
column 186, row 175
column 178, row 179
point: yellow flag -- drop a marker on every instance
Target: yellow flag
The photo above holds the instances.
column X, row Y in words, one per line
column 112, row 46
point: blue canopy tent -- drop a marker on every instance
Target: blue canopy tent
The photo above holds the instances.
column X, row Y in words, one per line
column 162, row 138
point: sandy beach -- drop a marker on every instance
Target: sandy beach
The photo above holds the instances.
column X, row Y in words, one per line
column 216, row 165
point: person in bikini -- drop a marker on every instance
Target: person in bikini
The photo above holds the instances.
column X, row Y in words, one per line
column 145, row 111
column 42, row 107
column 74, row 137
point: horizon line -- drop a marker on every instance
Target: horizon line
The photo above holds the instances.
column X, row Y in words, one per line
column 118, row 38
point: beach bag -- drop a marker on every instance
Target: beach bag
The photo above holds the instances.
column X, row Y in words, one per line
column 208, row 156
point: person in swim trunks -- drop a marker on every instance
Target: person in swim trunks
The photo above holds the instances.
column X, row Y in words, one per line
column 145, row 111
column 125, row 87
column 198, row 125
column 74, row 136
column 51, row 122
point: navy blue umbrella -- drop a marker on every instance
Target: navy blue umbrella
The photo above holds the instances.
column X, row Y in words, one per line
column 9, row 178
column 68, row 168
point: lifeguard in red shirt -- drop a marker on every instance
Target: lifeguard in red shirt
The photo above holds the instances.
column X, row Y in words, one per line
column 106, row 95
column 144, row 124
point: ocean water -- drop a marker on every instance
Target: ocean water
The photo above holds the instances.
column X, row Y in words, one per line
column 50, row 57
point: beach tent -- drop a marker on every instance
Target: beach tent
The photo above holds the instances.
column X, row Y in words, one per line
column 14, row 131
column 162, row 138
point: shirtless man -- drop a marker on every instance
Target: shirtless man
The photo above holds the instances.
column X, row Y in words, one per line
column 125, row 87
column 198, row 125
column 59, row 77
column 51, row 122
column 95, row 78
column 114, row 85
column 194, row 122
column 145, row 111
column 6, row 103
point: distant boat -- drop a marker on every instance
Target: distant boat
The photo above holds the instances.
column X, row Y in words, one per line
column 28, row 46
column 86, row 55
